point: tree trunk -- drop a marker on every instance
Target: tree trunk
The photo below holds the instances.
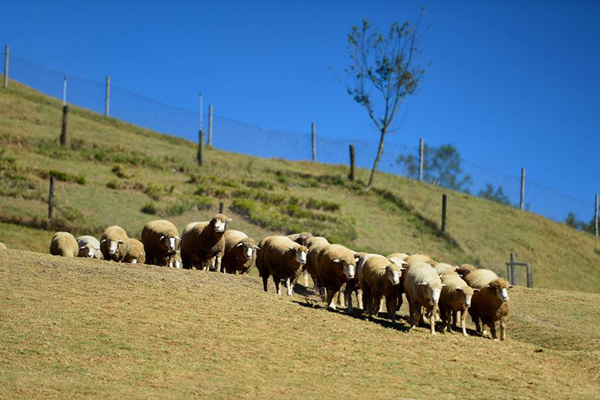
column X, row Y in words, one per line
column 376, row 163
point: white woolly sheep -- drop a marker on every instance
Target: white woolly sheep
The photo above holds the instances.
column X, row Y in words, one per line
column 64, row 244
column 240, row 252
column 301, row 238
column 465, row 269
column 422, row 286
column 314, row 245
column 89, row 247
column 380, row 277
column 443, row 268
column 455, row 297
column 479, row 278
column 336, row 265
column 135, row 252
column 490, row 304
column 282, row 258
column 418, row 257
column 113, row 243
column 161, row 240
column 203, row 243
column 2, row 246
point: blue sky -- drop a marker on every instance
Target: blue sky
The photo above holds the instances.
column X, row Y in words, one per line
column 511, row 84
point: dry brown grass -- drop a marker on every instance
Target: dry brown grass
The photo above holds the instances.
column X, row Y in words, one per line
column 93, row 329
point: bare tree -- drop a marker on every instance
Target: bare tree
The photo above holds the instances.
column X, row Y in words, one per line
column 386, row 65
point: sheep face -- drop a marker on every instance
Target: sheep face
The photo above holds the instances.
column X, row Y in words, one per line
column 247, row 249
column 434, row 290
column 348, row 268
column 500, row 290
column 113, row 245
column 170, row 242
column 467, row 295
column 393, row 274
column 219, row 222
column 301, row 255
column 87, row 251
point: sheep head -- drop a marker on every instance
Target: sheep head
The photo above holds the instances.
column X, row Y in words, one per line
column 467, row 293
column 393, row 273
column 219, row 222
column 300, row 254
column 247, row 246
column 170, row 242
column 434, row 289
column 348, row 266
column 500, row 287
column 113, row 245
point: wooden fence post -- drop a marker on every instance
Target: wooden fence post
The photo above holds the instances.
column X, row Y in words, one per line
column 107, row 97
column 210, row 125
column 6, row 66
column 352, row 166
column 522, row 188
column 200, row 155
column 63, row 132
column 51, row 198
column 596, row 215
column 421, row 160
column 444, row 202
column 221, row 206
column 314, row 141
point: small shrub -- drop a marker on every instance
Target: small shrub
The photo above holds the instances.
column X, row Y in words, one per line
column 118, row 171
column 154, row 190
column 260, row 184
column 149, row 208
column 63, row 176
column 112, row 184
column 229, row 183
column 180, row 206
column 203, row 203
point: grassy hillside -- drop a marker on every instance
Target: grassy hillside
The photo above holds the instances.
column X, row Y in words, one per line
column 93, row 329
column 114, row 173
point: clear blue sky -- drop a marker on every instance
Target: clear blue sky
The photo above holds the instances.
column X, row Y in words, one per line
column 512, row 83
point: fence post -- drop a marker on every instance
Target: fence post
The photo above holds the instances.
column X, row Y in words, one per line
column 51, row 198
column 221, row 206
column 5, row 66
column 65, row 91
column 511, row 273
column 63, row 132
column 107, row 97
column 421, row 153
column 522, row 188
column 210, row 125
column 200, row 155
column 201, row 113
column 351, row 176
column 444, row 203
column 529, row 275
column 314, row 141
column 596, row 215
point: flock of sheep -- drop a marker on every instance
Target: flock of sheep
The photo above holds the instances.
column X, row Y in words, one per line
column 433, row 290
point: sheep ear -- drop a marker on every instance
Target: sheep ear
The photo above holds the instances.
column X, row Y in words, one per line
column 336, row 260
column 475, row 290
column 402, row 269
column 443, row 285
column 82, row 247
column 177, row 237
column 257, row 248
column 162, row 237
column 239, row 244
column 120, row 241
column 511, row 286
column 103, row 240
column 488, row 286
column 459, row 289
column 229, row 220
column 423, row 283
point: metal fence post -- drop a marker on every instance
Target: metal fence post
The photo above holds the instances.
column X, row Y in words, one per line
column 210, row 125
column 522, row 188
column 201, row 114
column 314, row 141
column 107, row 97
column 65, row 91
column 200, row 155
column 511, row 273
column 221, row 206
column 63, row 132
column 421, row 154
column 6, row 66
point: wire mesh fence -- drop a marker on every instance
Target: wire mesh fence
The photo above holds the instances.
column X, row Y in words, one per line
column 248, row 139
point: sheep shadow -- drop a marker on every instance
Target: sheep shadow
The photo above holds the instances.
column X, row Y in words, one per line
column 382, row 319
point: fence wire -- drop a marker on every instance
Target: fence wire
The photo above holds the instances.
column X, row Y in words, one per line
column 239, row 137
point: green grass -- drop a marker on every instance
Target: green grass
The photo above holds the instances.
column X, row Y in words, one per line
column 115, row 173
column 93, row 329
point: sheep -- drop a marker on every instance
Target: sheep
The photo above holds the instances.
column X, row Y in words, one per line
column 378, row 277
column 479, row 278
column 113, row 243
column 422, row 286
column 455, row 297
column 282, row 258
column 443, row 268
column 240, row 252
column 301, row 238
column 64, row 244
column 135, row 252
column 464, row 270
column 314, row 245
column 400, row 260
column 418, row 257
column 336, row 265
column 161, row 239
column 490, row 304
column 203, row 243
column 89, row 247
column 2, row 246
column 399, row 256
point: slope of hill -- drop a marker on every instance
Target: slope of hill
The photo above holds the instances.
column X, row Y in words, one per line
column 114, row 173
column 93, row 329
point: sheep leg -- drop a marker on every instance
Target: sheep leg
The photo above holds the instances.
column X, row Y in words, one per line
column 348, row 295
column 415, row 314
column 390, row 304
column 219, row 264
column 377, row 305
column 367, row 300
column 265, row 278
column 305, row 275
column 340, row 299
column 331, row 299
column 432, row 315
column 463, row 322
column 493, row 331
column 277, row 281
column 502, row 330
column 359, row 299
column 399, row 303
column 445, row 319
column 290, row 286
column 455, row 317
